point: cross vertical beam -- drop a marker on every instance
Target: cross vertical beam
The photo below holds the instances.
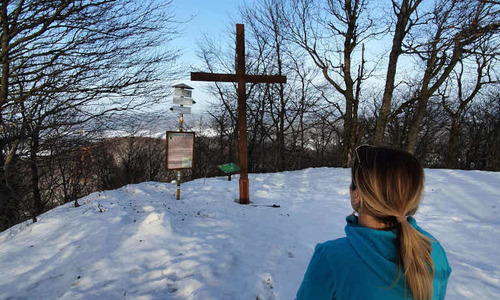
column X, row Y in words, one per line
column 242, row 78
column 242, row 113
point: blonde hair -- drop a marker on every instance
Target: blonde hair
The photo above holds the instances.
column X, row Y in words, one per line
column 390, row 183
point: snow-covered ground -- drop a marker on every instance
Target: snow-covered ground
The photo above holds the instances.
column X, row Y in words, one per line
column 146, row 245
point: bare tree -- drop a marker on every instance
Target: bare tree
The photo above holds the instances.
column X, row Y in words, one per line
column 459, row 91
column 483, row 132
column 275, row 112
column 406, row 18
column 281, row 106
column 458, row 29
column 330, row 34
column 66, row 62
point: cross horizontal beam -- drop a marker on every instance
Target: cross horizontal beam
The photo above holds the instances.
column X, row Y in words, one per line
column 218, row 77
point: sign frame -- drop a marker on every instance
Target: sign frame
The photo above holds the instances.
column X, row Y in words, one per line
column 192, row 133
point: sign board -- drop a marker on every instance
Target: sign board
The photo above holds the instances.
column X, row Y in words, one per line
column 180, row 150
column 181, row 110
column 183, row 101
column 183, row 92
column 229, row 168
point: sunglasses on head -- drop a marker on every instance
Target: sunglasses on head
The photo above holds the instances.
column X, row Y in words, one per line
column 361, row 149
column 358, row 160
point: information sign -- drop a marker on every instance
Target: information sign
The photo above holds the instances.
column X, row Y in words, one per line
column 181, row 110
column 183, row 101
column 180, row 150
column 229, row 168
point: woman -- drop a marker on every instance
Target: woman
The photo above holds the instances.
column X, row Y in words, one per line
column 384, row 255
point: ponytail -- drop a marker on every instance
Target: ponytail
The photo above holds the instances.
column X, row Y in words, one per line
column 390, row 184
column 415, row 256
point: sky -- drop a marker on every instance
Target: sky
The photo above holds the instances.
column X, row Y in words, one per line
column 207, row 17
column 215, row 18
column 212, row 18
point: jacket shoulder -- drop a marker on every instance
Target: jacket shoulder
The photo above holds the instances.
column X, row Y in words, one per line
column 339, row 250
column 442, row 268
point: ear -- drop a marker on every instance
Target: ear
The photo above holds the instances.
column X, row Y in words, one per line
column 357, row 199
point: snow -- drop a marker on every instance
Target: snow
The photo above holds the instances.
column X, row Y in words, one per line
column 147, row 245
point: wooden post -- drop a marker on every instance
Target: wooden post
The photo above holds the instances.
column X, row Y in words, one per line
column 242, row 78
column 178, row 194
column 182, row 96
column 242, row 113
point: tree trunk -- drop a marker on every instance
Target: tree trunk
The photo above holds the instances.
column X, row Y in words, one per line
column 427, row 90
column 349, row 45
column 421, row 108
column 281, row 136
column 6, row 201
column 35, row 178
column 451, row 161
column 399, row 35
column 4, row 55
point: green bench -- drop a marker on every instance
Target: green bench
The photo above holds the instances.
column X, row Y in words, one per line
column 228, row 169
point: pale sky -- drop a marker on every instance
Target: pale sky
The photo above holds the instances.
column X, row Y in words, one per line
column 214, row 18
column 211, row 17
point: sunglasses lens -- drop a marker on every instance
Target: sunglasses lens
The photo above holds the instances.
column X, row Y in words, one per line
column 360, row 151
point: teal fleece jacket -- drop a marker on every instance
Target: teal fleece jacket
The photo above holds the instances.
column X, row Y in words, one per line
column 364, row 265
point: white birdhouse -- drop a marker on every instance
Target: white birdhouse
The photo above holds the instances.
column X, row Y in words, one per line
column 183, row 94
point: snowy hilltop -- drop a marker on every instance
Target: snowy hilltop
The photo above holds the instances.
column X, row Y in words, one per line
column 138, row 242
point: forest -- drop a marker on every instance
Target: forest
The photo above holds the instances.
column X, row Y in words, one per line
column 412, row 74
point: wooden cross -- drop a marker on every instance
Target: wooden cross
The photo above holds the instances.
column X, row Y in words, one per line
column 242, row 79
